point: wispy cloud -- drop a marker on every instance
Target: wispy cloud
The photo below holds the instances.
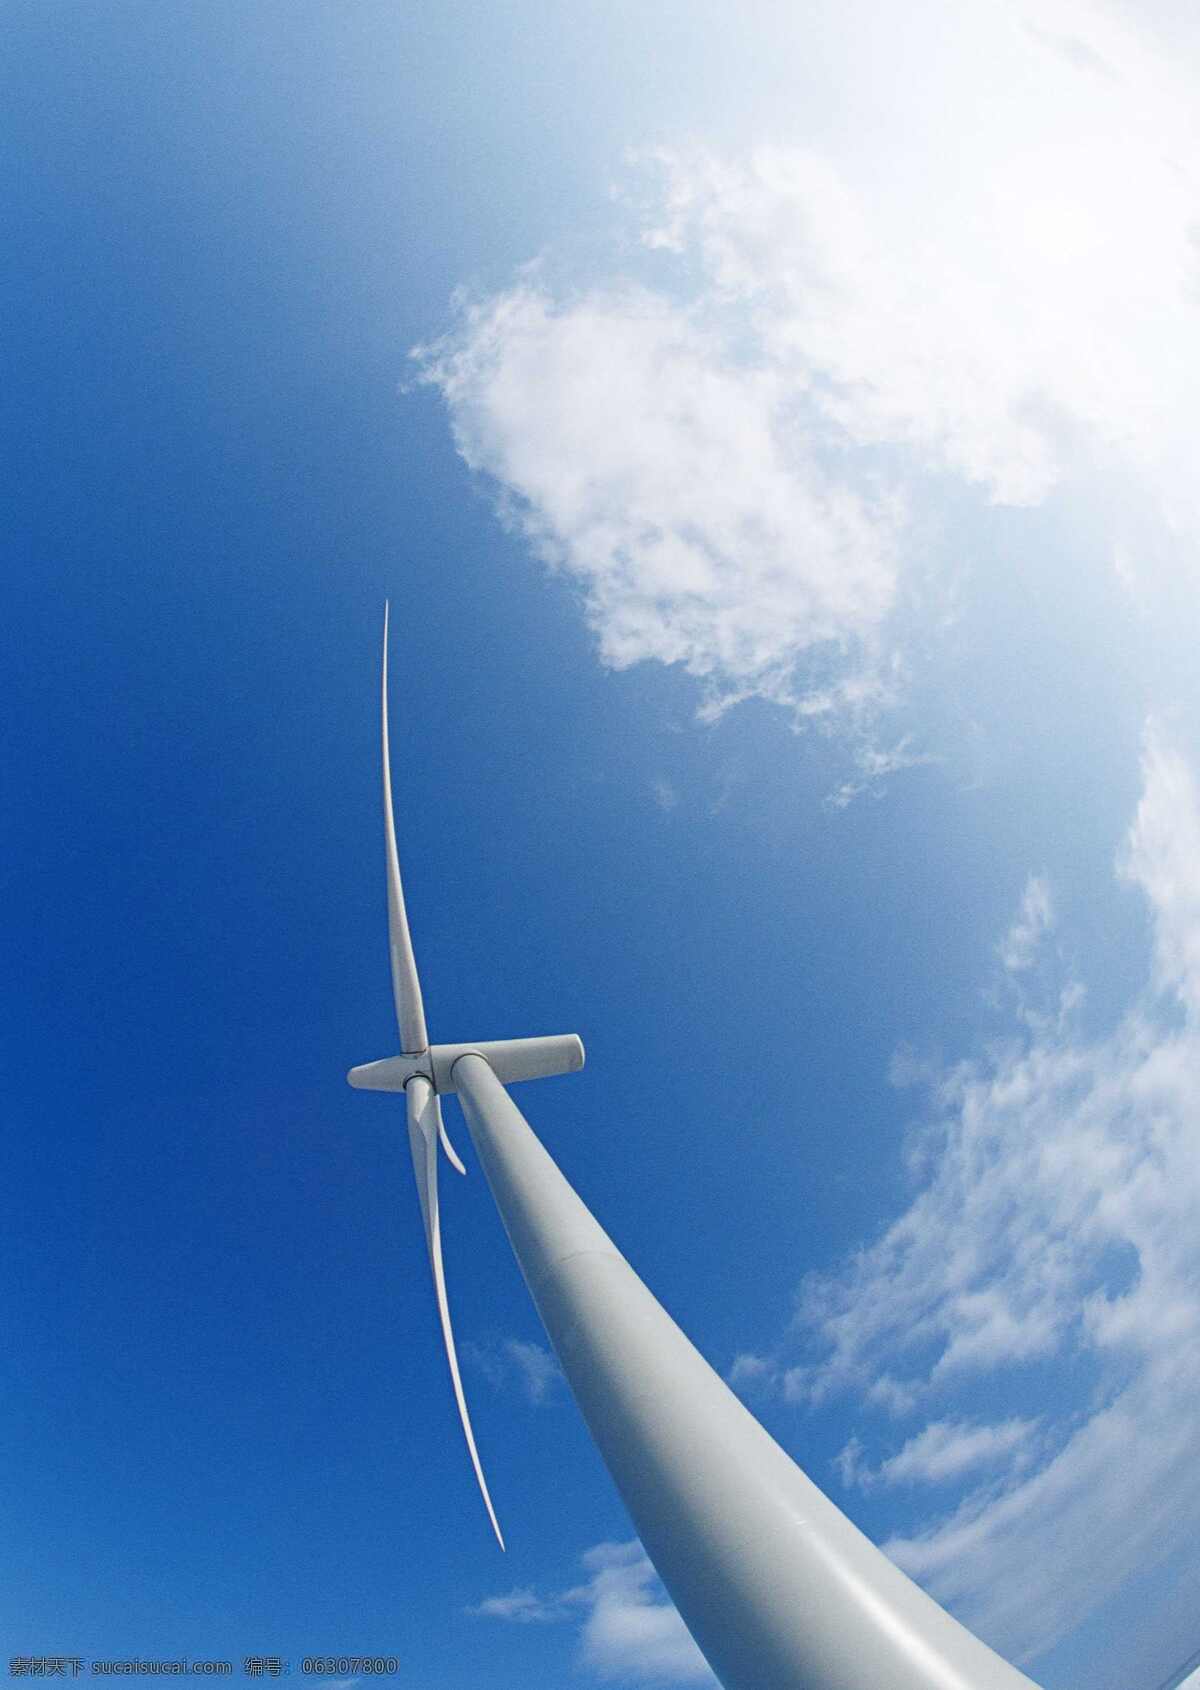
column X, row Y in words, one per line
column 1163, row 859
column 628, row 1628
column 521, row 1606
column 944, row 1450
column 1035, row 918
column 1058, row 1221
column 536, row 1368
column 874, row 766
column 516, row 1362
column 666, row 795
column 749, row 1370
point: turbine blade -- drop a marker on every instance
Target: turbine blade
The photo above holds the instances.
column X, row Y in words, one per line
column 406, row 988
column 424, row 1115
column 452, row 1155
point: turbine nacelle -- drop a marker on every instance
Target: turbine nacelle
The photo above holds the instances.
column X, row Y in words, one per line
column 511, row 1060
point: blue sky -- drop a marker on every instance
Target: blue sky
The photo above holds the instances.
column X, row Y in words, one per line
column 774, row 434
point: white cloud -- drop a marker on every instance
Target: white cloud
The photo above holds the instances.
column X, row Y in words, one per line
column 531, row 1367
column 1059, row 1221
column 1164, row 860
column 521, row 1606
column 666, row 795
column 874, row 766
column 849, row 1462
column 1035, row 918
column 749, row 1369
column 885, row 343
column 642, row 456
column 992, row 287
column 537, row 1369
column 629, row 1628
column 945, row 1449
column 884, row 1392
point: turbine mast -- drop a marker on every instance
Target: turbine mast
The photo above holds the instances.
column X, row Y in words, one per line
column 779, row 1588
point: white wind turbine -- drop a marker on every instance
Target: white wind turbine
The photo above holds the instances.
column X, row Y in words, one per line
column 779, row 1588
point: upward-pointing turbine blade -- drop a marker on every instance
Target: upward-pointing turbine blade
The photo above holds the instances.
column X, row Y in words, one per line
column 406, row 988
column 424, row 1119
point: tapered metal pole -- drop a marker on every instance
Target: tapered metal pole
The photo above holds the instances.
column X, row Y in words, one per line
column 780, row 1590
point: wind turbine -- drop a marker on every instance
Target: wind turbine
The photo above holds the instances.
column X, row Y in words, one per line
column 779, row 1588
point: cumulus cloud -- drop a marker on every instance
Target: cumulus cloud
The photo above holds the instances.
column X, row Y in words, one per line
column 628, row 1628
column 1058, row 1222
column 645, row 458
column 739, row 445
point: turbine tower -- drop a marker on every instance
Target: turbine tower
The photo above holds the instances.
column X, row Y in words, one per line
column 779, row 1588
